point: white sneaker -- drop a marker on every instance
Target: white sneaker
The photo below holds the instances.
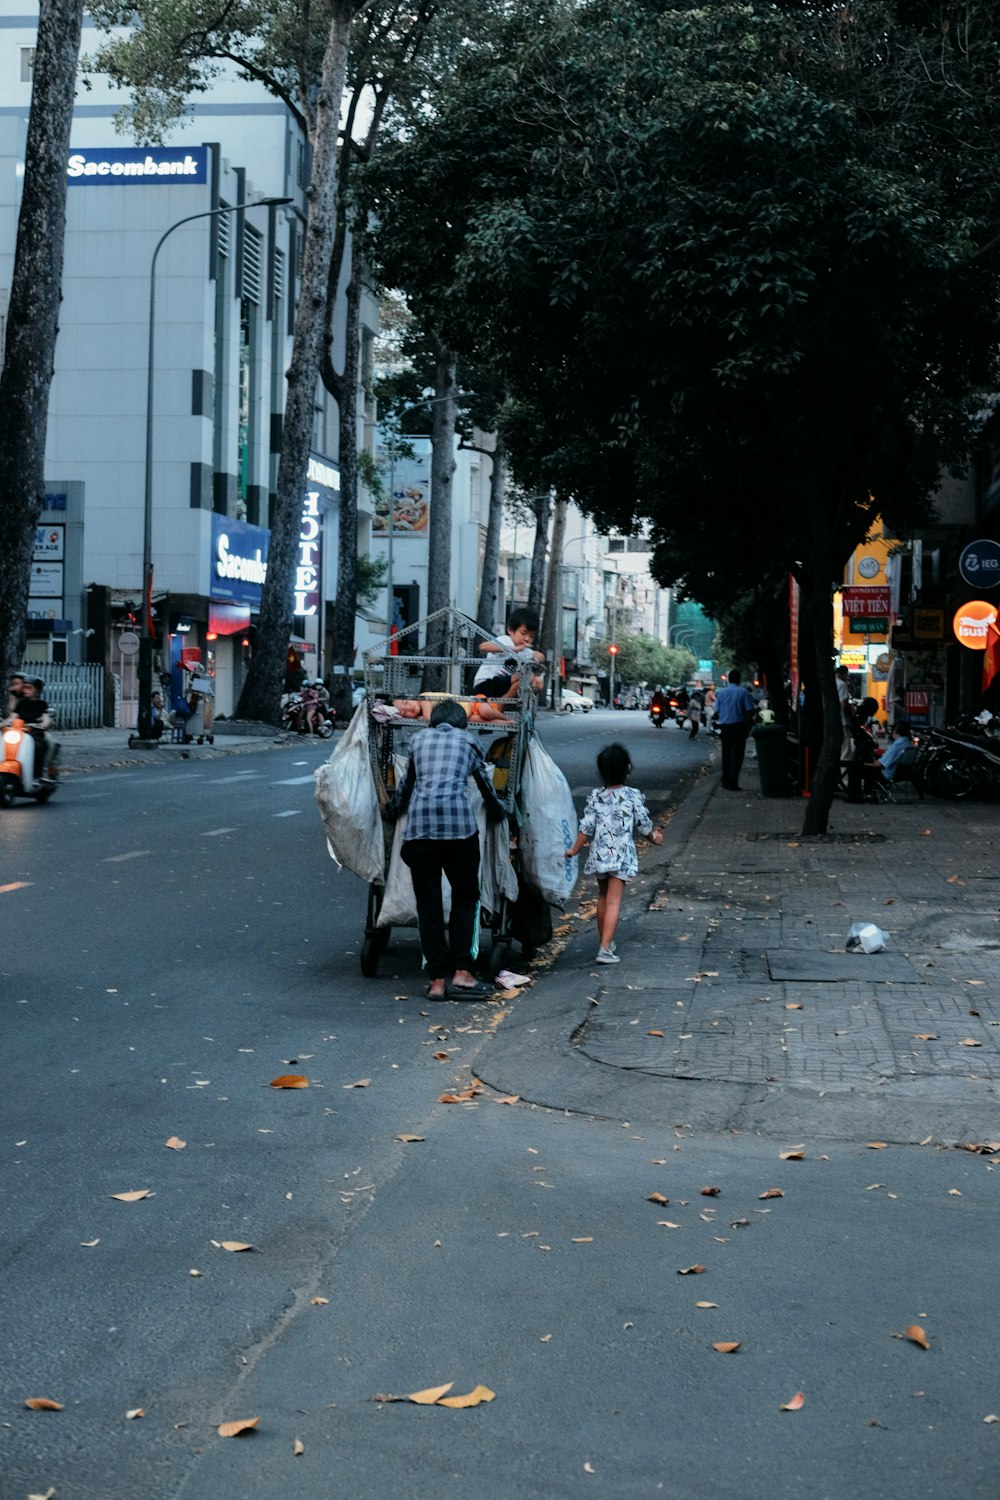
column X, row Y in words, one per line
column 606, row 956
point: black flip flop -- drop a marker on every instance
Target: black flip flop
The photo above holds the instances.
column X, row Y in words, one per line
column 475, row 991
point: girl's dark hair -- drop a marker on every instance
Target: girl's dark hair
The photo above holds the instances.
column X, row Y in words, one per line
column 614, row 764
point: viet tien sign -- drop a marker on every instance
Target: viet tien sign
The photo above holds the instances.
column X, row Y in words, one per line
column 866, row 601
column 124, row 166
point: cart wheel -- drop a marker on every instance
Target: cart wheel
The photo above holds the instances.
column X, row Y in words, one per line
column 371, row 952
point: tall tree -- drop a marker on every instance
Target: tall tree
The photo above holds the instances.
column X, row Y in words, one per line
column 33, row 313
column 551, row 634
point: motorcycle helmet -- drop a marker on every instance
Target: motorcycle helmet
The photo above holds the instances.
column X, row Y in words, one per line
column 37, row 683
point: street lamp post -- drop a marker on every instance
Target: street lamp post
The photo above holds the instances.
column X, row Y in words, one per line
column 146, row 637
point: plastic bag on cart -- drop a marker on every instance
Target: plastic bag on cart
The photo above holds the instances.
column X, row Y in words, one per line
column 348, row 803
column 550, row 826
column 496, row 874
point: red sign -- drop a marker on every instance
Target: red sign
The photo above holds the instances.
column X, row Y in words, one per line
column 865, row 601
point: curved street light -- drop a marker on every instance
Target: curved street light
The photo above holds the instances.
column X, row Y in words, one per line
column 146, row 638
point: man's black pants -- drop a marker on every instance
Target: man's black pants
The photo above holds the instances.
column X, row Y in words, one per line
column 734, row 744
column 458, row 861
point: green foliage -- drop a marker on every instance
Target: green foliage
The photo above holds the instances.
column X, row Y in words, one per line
column 643, row 659
column 371, row 577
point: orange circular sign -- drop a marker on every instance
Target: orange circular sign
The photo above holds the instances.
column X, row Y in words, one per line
column 972, row 622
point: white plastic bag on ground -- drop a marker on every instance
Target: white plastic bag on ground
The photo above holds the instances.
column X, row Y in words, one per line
column 348, row 803
column 550, row 826
column 865, row 937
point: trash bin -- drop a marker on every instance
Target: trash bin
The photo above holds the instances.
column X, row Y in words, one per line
column 771, row 743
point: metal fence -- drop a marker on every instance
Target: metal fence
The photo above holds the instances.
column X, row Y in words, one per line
column 73, row 691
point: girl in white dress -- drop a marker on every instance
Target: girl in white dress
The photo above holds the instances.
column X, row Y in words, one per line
column 611, row 813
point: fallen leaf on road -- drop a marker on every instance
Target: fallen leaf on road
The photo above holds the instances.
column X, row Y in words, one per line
column 319, row 1301
column 654, row 1033
column 771, row 1193
column 441, row 1056
column 232, row 1245
column 797, row 1402
column 954, row 1193
column 694, row 1270
column 137, row 1411
column 983, row 1148
column 234, row 1429
column 511, row 994
column 710, row 1192
column 89, row 1244
column 476, row 1397
column 739, row 1223
column 298, row 1447
column 132, row 1197
column 289, row 1081
column 877, row 1145
column 362, row 1083
column 583, row 1239
column 656, row 1198
column 794, row 1005
column 992, row 1418
column 50, row 1492
column 706, row 1304
column 968, row 1041
column 588, row 1468
column 462, row 1098
column 43, row 1403
column 431, row 1396
column 727, row 1348
column 925, row 833
column 175, row 1143
column 410, row 1139
column 507, row 1099
column 925, row 1036
column 796, row 1154
column 916, row 1335
column 666, row 1224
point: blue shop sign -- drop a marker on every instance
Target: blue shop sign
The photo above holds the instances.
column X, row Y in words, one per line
column 123, row 166
column 239, row 561
column 979, row 564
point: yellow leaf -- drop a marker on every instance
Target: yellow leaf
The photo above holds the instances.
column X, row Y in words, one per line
column 132, row 1197
column 916, row 1335
column 509, row 994
column 878, row 1145
column 796, row 1404
column 431, row 1396
column 43, row 1403
column 233, row 1429
column 298, row 1447
column 925, row 1036
column 175, row 1143
column 409, row 1139
column 706, row 1304
column 969, row 1041
column 771, row 1193
column 234, row 1245
column 289, row 1081
column 794, row 1005
column 656, row 1198
column 654, row 1033
column 507, row 1099
column 475, row 1397
column 584, row 1239
column 463, row 1098
column 798, row 1154
column 320, row 1301
column 727, row 1348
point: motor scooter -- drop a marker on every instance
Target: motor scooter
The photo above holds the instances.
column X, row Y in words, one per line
column 657, row 714
column 19, row 776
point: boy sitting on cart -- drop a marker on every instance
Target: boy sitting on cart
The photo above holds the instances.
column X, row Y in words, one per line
column 499, row 679
column 442, row 839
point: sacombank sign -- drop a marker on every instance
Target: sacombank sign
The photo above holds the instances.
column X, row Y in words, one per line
column 239, row 561
column 124, row 166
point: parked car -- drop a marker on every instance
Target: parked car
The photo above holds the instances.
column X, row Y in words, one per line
column 574, row 703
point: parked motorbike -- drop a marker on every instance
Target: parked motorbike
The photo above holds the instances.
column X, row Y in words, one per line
column 20, row 775
column 955, row 765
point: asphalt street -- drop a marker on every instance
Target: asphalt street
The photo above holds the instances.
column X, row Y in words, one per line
column 175, row 937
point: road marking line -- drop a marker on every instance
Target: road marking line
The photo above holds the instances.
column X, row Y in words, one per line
column 292, row 812
column 225, row 780
column 17, row 885
column 213, row 833
column 118, row 859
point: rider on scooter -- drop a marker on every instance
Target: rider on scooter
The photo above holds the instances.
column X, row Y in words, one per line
column 33, row 711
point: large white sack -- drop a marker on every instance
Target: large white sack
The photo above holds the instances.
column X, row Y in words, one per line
column 550, row 826
column 348, row 803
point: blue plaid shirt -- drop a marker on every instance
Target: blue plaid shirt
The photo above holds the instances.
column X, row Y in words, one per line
column 435, row 788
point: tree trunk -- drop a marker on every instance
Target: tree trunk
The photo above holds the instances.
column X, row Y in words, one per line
column 817, row 608
column 542, row 506
column 343, row 623
column 551, row 644
column 261, row 695
column 487, row 610
column 33, row 314
column 444, row 411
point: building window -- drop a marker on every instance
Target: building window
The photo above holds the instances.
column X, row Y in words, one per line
column 27, row 64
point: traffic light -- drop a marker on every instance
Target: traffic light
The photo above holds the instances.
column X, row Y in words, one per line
column 612, row 650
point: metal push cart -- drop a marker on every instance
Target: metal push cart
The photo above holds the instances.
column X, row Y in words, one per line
column 393, row 673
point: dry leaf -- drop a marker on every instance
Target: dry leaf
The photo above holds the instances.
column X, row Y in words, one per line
column 710, row 1192
column 877, row 1145
column 298, row 1447
column 654, row 1033
column 954, row 1193
column 132, row 1197
column 513, row 994
column 320, row 1301
column 43, row 1403
column 925, row 1036
column 794, row 1005
column 925, row 833
column 583, row 1239
column 137, row 1411
column 431, row 1396
column 89, row 1244
column 441, row 1056
column 233, row 1245
column 362, row 1083
column 771, row 1193
column 290, row 1081
column 588, row 1468
column 507, row 1099
column 50, row 1492
column 464, row 1097
column 656, row 1198
column 706, row 1304
column 175, row 1143
column 797, row 1154
column 992, row 1418
column 233, row 1429
column 476, row 1397
column 916, row 1335
column 694, row 1270
column 730, row 1348
column 666, row 1224
column 968, row 1041
column 409, row 1139
column 797, row 1402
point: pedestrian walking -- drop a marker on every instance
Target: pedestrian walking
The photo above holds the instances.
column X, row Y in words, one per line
column 734, row 709
column 612, row 812
column 442, row 839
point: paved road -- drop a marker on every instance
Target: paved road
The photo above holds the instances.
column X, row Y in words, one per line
column 193, row 941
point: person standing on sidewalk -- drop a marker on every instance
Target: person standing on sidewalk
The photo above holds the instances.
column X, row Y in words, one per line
column 611, row 813
column 734, row 709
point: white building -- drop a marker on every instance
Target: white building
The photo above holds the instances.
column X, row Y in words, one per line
column 220, row 307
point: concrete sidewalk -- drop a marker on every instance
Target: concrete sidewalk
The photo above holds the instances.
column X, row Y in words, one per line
column 94, row 749
column 736, row 1007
